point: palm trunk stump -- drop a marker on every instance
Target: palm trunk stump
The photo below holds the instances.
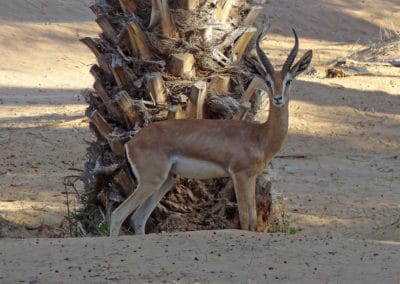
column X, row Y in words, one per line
column 161, row 60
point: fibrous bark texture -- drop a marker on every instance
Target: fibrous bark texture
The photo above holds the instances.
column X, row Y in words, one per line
column 160, row 60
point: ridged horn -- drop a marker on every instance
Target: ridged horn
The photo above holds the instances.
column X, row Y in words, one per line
column 293, row 53
column 263, row 57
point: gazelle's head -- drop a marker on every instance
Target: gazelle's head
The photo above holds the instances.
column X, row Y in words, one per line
column 278, row 82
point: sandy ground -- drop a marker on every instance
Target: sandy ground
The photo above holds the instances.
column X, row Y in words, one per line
column 200, row 257
column 343, row 198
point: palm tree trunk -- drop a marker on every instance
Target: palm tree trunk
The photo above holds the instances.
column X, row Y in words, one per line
column 161, row 60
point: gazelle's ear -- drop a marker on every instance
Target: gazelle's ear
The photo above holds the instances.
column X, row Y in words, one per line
column 302, row 64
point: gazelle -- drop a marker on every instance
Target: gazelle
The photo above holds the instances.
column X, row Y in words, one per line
column 204, row 149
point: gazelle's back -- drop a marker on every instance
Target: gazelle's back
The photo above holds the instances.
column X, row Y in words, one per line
column 218, row 141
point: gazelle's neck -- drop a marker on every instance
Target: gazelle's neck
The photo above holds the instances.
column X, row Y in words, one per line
column 276, row 127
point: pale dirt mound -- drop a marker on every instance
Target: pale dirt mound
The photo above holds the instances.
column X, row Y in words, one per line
column 229, row 256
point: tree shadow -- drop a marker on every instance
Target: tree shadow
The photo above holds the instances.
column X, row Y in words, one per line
column 328, row 21
column 339, row 96
column 40, row 38
column 39, row 96
column 46, row 11
column 42, row 120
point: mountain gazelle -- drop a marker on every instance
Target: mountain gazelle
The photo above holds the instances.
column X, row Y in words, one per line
column 204, row 149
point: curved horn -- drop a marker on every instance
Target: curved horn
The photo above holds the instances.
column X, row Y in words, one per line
column 289, row 61
column 263, row 57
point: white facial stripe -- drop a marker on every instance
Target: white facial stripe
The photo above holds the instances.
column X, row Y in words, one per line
column 288, row 77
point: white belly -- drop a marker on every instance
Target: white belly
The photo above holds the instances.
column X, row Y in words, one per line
column 198, row 169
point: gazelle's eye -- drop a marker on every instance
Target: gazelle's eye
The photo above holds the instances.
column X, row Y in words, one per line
column 268, row 83
column 288, row 82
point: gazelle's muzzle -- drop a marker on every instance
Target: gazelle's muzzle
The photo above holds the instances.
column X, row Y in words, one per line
column 278, row 101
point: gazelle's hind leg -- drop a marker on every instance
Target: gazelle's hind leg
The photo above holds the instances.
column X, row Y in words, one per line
column 150, row 181
column 142, row 214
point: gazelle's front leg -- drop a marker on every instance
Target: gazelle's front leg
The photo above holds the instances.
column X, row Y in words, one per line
column 245, row 190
